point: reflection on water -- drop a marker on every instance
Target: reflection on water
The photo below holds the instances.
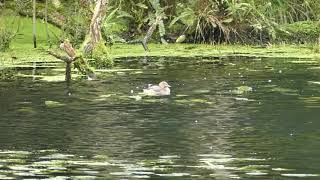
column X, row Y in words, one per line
column 240, row 119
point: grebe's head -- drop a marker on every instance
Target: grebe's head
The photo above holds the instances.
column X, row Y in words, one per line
column 164, row 84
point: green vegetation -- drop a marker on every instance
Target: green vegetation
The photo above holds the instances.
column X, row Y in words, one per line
column 100, row 56
column 23, row 38
column 224, row 28
column 23, row 55
column 5, row 39
column 300, row 32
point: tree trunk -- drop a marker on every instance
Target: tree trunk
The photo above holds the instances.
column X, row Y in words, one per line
column 150, row 31
column 68, row 72
column 94, row 38
column 95, row 25
column 34, row 25
column 46, row 19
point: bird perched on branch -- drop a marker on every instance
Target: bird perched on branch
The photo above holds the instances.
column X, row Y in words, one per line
column 67, row 47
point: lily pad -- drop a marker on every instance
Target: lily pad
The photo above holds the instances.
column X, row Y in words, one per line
column 50, row 163
column 24, row 174
column 257, row 173
column 192, row 101
column 300, row 175
column 15, row 152
column 115, row 70
column 137, row 97
column 28, row 110
column 254, row 167
column 281, row 169
column 5, row 177
column 90, row 163
column 17, row 161
column 182, row 95
column 217, row 160
column 101, row 157
column 83, row 177
column 174, row 175
column 215, row 155
column 201, row 91
column 243, row 99
column 121, row 173
column 53, row 104
column 59, row 78
column 57, row 156
column 285, row 91
column 314, row 82
column 304, row 62
column 20, row 168
column 170, row 157
column 58, row 178
column 242, row 89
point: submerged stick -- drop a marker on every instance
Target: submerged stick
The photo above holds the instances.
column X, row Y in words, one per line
column 68, row 60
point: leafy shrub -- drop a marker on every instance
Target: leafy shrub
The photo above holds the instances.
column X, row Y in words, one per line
column 101, row 57
column 5, row 39
column 300, row 32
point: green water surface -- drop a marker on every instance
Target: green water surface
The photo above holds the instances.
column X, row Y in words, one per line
column 239, row 118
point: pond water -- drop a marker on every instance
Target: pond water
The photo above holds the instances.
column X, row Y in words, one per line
column 239, row 118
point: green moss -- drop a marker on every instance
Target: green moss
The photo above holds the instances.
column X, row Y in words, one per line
column 100, row 56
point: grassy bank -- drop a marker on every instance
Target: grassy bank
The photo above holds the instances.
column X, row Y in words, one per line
column 21, row 48
column 20, row 53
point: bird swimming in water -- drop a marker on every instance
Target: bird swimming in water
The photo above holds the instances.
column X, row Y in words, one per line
column 163, row 89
